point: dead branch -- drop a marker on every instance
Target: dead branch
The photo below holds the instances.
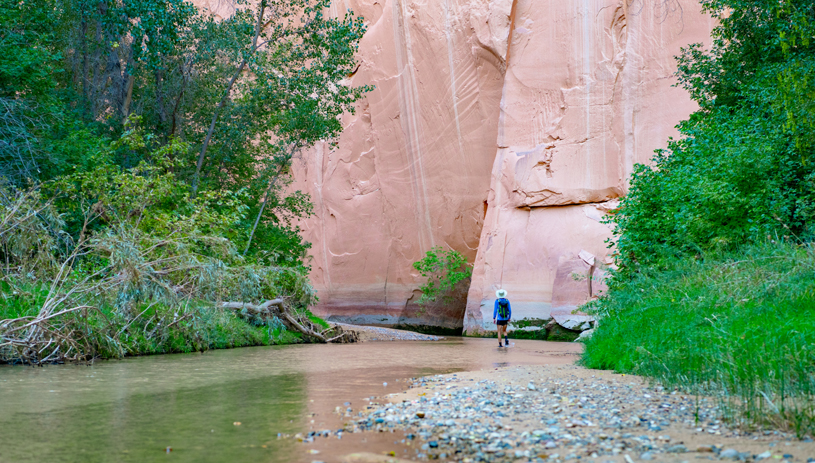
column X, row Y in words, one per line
column 277, row 308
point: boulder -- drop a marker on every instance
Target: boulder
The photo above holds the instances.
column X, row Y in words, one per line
column 570, row 321
column 585, row 335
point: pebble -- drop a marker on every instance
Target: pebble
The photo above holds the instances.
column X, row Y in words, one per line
column 582, row 418
column 729, row 453
column 567, row 418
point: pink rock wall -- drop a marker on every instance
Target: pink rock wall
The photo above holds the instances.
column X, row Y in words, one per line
column 412, row 168
column 501, row 129
column 587, row 94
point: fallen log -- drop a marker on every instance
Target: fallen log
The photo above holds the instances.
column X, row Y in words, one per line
column 277, row 308
column 257, row 309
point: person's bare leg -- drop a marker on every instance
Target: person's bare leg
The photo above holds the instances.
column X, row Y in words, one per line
column 501, row 334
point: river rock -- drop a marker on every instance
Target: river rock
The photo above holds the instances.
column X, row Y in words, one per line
column 575, row 322
column 588, row 414
column 729, row 453
column 584, row 335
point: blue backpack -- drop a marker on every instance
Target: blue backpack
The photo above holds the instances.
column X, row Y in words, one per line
column 503, row 308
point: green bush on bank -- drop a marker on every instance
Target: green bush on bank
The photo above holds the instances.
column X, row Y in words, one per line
column 744, row 166
column 444, row 270
column 160, row 329
column 146, row 273
column 135, row 198
column 739, row 325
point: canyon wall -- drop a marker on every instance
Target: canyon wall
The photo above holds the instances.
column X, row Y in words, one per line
column 502, row 129
column 587, row 93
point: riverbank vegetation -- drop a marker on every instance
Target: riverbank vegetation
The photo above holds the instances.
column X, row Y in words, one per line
column 714, row 287
column 144, row 171
column 446, row 271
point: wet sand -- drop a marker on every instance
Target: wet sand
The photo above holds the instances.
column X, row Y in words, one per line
column 377, row 333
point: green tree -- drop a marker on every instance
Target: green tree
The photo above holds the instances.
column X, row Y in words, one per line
column 444, row 269
column 742, row 169
column 41, row 137
column 145, row 153
column 244, row 93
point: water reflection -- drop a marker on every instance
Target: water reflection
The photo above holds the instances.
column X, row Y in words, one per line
column 132, row 410
column 198, row 424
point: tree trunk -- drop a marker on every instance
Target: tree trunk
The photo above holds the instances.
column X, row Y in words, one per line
column 258, row 28
column 276, row 307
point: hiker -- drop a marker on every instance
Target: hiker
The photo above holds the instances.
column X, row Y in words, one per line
column 501, row 315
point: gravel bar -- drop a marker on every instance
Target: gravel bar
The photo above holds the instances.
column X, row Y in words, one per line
column 565, row 413
column 376, row 333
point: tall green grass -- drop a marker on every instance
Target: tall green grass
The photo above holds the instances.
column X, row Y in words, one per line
column 739, row 326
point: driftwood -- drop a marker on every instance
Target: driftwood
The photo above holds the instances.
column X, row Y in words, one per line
column 277, row 308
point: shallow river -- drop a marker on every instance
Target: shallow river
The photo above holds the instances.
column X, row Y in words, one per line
column 228, row 405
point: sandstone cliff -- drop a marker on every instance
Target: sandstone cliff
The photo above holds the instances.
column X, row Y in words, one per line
column 503, row 129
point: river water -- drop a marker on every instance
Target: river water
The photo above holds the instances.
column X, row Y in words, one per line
column 228, row 405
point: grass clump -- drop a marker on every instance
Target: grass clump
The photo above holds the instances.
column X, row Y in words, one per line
column 702, row 298
column 739, row 326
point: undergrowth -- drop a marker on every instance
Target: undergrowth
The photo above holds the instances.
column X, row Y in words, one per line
column 738, row 326
column 159, row 329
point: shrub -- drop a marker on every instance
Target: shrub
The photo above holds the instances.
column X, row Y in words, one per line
column 443, row 270
column 743, row 169
column 143, row 273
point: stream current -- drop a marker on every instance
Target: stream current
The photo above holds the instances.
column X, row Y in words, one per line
column 229, row 405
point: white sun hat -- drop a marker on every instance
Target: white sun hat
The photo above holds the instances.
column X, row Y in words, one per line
column 501, row 293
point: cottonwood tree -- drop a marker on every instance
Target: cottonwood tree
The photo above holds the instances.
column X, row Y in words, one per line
column 246, row 92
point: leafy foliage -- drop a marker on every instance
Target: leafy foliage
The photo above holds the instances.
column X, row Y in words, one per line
column 743, row 168
column 444, row 269
column 711, row 296
column 145, row 247
column 245, row 94
column 145, row 149
column 41, row 136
